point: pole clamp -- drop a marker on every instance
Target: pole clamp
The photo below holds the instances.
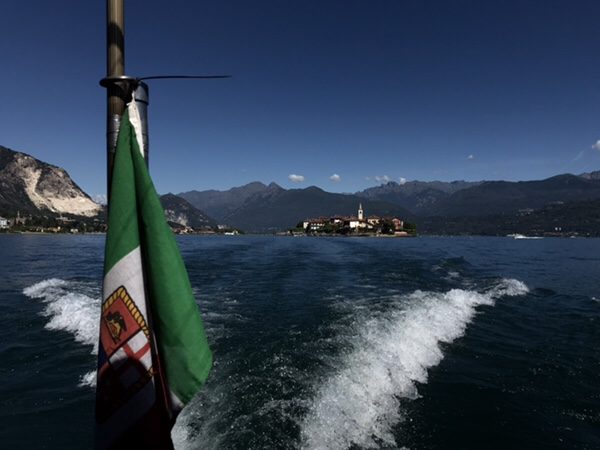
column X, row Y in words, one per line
column 123, row 84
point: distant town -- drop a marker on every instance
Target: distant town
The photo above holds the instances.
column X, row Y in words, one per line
column 359, row 225
column 29, row 223
column 66, row 224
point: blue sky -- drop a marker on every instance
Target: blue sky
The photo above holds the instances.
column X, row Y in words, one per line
column 367, row 90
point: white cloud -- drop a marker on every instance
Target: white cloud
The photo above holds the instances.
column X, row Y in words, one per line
column 579, row 155
column 382, row 178
column 335, row 177
column 401, row 180
column 471, row 156
column 296, row 178
column 596, row 146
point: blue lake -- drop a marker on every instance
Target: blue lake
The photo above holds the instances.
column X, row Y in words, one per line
column 330, row 343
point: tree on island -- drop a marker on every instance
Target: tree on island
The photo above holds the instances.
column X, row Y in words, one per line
column 387, row 227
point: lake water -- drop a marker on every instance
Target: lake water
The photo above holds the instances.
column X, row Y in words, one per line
column 329, row 343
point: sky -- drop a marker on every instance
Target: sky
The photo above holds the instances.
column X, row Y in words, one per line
column 339, row 94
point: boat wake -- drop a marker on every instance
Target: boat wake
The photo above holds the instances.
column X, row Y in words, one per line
column 382, row 356
column 390, row 353
column 74, row 307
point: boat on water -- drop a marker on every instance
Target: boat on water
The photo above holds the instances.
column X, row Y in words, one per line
column 522, row 236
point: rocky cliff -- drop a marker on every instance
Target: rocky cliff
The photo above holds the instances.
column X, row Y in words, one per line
column 34, row 187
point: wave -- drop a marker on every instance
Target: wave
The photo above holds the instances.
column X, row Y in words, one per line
column 71, row 306
column 88, row 379
column 390, row 354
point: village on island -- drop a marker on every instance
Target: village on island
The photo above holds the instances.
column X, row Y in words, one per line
column 359, row 225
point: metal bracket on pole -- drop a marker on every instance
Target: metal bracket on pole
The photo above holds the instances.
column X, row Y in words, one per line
column 120, row 88
column 123, row 86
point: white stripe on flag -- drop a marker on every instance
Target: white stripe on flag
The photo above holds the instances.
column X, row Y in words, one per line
column 136, row 122
column 128, row 273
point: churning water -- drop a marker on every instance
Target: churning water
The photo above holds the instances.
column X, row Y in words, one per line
column 329, row 343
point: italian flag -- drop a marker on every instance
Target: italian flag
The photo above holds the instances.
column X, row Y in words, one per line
column 153, row 355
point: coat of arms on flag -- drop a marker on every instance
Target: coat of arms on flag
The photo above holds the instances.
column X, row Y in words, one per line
column 125, row 363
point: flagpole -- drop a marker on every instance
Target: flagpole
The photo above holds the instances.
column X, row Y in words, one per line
column 115, row 67
column 119, row 86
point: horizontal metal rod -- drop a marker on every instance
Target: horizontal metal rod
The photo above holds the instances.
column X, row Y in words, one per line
column 172, row 77
column 134, row 81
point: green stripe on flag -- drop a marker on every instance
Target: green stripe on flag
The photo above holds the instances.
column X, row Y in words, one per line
column 123, row 218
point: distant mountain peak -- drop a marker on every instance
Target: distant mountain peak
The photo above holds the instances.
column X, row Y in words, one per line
column 252, row 184
column 594, row 175
column 221, row 204
column 180, row 211
column 312, row 189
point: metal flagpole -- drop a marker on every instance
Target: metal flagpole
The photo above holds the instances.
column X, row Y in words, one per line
column 115, row 67
column 119, row 86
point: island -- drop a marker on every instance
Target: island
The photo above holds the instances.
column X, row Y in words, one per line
column 359, row 225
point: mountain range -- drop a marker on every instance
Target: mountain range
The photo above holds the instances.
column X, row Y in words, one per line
column 264, row 208
column 436, row 207
column 564, row 201
column 461, row 198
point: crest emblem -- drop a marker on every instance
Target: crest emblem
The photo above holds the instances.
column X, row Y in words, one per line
column 125, row 359
column 116, row 325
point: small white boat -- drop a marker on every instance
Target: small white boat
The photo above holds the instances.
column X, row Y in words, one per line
column 522, row 236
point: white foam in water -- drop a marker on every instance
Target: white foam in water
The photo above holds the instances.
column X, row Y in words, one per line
column 69, row 309
column 180, row 435
column 89, row 379
column 360, row 403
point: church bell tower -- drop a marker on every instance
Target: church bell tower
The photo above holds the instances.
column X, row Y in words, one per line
column 361, row 214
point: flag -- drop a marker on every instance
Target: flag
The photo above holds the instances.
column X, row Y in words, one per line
column 152, row 355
